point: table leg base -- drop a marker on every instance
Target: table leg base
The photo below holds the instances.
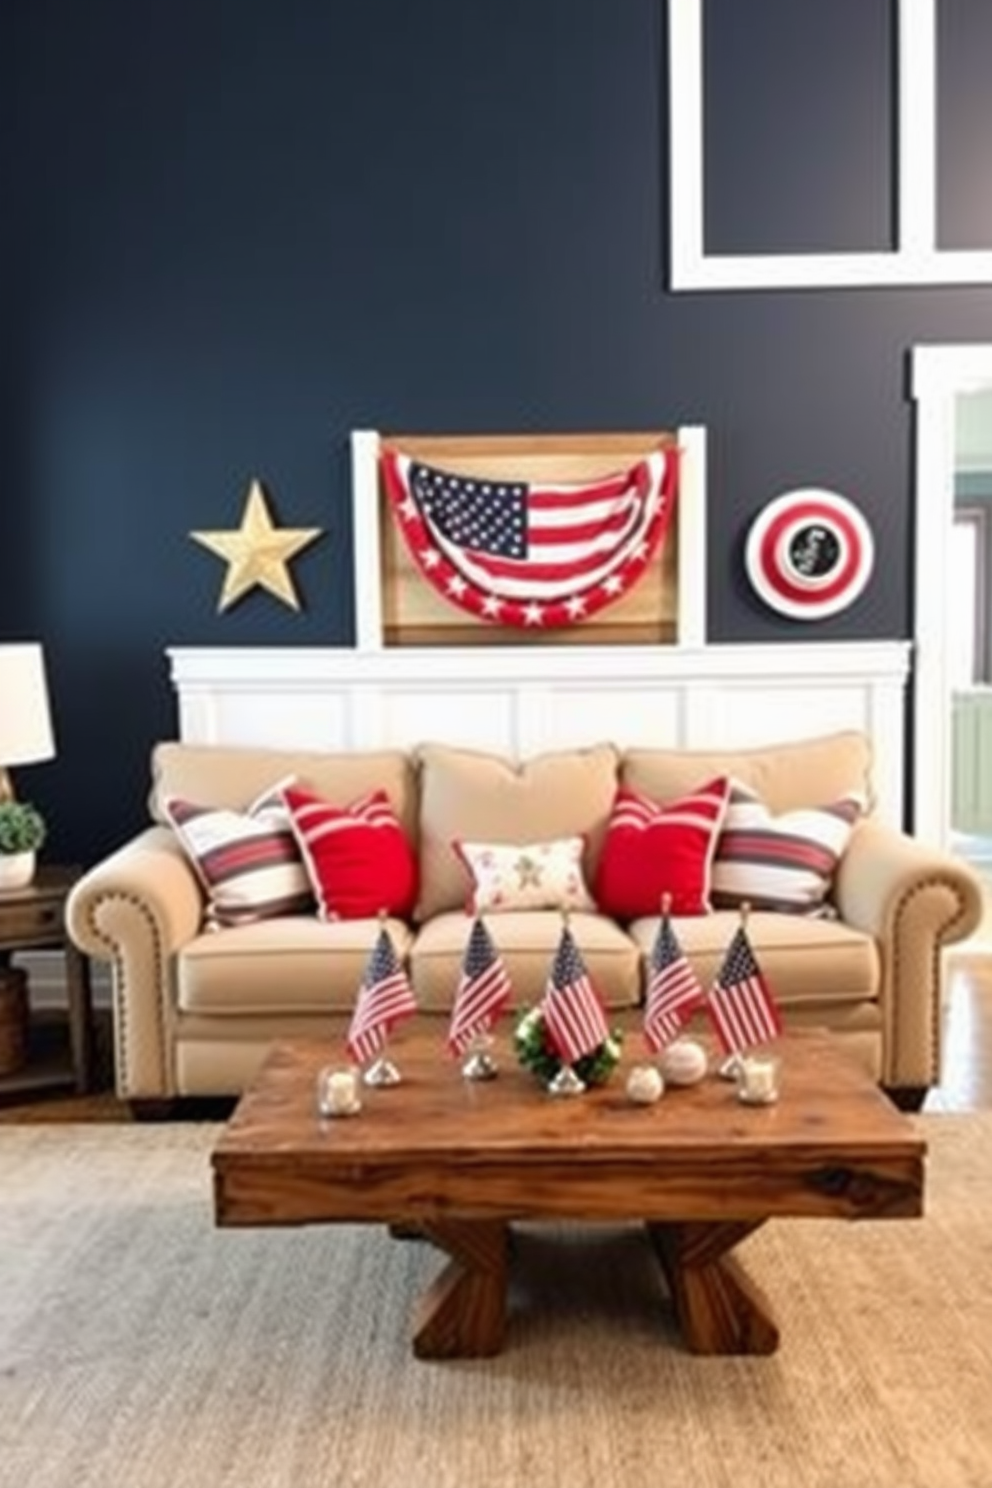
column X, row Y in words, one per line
column 462, row 1315
column 720, row 1310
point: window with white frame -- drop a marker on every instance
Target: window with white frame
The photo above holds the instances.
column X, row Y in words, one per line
column 968, row 598
column 916, row 255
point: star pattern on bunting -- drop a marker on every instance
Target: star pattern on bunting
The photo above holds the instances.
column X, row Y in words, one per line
column 258, row 552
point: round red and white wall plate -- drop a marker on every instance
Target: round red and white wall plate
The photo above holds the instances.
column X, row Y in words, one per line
column 809, row 553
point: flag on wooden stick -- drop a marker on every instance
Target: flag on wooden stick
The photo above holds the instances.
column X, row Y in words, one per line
column 674, row 991
column 741, row 1006
column 572, row 1010
column 483, row 990
column 384, row 998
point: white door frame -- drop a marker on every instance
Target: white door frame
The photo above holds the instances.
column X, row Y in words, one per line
column 938, row 375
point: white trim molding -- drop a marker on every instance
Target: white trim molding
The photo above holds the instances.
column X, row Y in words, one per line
column 520, row 701
column 938, row 375
column 916, row 258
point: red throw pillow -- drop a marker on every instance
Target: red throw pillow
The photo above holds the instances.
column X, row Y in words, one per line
column 357, row 857
column 653, row 849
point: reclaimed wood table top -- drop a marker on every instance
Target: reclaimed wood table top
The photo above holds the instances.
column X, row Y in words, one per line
column 458, row 1161
column 438, row 1142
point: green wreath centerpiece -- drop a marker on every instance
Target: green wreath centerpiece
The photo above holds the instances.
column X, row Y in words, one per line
column 536, row 1052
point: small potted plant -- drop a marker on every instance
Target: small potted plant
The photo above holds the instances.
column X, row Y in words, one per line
column 22, row 832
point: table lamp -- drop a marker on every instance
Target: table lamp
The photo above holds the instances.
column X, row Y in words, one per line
column 25, row 722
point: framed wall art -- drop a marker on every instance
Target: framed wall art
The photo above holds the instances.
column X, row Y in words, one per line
column 809, row 553
column 529, row 539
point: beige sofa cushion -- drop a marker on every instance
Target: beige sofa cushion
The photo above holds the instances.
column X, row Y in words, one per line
column 484, row 798
column 294, row 965
column 226, row 775
column 527, row 940
column 805, row 961
column 785, row 776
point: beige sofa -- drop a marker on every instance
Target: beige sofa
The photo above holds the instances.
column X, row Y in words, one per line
column 195, row 1009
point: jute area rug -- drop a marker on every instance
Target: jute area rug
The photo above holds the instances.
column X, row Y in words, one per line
column 142, row 1348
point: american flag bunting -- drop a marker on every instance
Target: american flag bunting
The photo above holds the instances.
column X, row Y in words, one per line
column 522, row 554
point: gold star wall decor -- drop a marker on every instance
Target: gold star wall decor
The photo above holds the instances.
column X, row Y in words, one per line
column 257, row 552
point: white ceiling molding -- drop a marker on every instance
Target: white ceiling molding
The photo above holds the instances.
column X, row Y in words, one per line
column 915, row 260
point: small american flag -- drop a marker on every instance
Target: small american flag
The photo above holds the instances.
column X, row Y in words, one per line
column 674, row 990
column 518, row 553
column 741, row 1006
column 384, row 997
column 572, row 1010
column 483, row 990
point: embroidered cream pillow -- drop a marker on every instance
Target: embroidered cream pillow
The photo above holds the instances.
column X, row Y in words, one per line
column 536, row 875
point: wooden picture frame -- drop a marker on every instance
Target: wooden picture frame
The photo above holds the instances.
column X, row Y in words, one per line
column 397, row 607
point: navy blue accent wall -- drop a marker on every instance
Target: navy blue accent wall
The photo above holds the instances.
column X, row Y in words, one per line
column 233, row 230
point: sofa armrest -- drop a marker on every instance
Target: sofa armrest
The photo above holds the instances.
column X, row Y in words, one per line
column 135, row 909
column 914, row 900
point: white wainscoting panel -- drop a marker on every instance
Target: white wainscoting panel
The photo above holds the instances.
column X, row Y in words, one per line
column 522, row 701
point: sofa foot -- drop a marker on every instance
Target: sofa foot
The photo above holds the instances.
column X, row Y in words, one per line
column 908, row 1097
column 182, row 1108
column 151, row 1108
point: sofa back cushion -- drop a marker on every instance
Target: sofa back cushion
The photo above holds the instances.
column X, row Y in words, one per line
column 234, row 776
column 785, row 776
column 468, row 795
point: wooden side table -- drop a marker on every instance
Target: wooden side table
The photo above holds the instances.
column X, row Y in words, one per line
column 33, row 918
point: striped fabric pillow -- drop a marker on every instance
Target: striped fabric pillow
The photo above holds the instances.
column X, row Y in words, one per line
column 784, row 862
column 248, row 862
column 653, row 849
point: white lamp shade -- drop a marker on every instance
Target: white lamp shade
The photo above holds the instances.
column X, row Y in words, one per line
column 25, row 721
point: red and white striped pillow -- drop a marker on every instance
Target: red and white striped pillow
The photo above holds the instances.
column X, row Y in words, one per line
column 652, row 849
column 784, row 862
column 357, row 857
column 248, row 862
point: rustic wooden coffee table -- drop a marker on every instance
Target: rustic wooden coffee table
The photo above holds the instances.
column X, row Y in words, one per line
column 459, row 1161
